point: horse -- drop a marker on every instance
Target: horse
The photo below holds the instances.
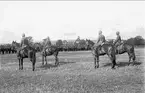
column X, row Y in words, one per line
column 31, row 54
column 106, row 48
column 124, row 47
column 48, row 51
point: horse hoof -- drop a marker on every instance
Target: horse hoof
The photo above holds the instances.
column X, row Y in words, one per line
column 95, row 67
column 113, row 68
column 56, row 64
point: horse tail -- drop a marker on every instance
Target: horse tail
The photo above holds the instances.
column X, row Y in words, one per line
column 132, row 52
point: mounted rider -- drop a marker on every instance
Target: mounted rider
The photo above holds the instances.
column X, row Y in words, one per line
column 25, row 44
column 117, row 41
column 100, row 41
column 47, row 43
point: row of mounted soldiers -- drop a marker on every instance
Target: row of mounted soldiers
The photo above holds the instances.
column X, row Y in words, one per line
column 78, row 44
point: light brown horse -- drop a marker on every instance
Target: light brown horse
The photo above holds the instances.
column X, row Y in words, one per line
column 106, row 48
column 31, row 54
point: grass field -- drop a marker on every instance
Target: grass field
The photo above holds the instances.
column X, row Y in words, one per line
column 75, row 74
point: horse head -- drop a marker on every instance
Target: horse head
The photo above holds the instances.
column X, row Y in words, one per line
column 89, row 43
column 15, row 44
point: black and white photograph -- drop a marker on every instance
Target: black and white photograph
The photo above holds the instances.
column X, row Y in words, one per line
column 72, row 46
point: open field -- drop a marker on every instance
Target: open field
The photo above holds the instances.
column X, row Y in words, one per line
column 75, row 74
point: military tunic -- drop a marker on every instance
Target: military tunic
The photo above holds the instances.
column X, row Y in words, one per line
column 47, row 42
column 25, row 45
column 118, row 40
column 24, row 42
column 100, row 40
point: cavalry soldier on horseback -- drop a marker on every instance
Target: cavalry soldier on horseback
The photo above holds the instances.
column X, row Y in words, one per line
column 117, row 42
column 47, row 43
column 25, row 44
column 100, row 41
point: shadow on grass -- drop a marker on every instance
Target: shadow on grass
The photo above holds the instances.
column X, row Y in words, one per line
column 123, row 64
column 52, row 65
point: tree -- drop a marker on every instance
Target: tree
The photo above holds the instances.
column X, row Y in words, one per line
column 138, row 40
column 130, row 41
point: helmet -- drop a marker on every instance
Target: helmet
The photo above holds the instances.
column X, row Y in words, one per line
column 100, row 32
column 23, row 35
column 117, row 33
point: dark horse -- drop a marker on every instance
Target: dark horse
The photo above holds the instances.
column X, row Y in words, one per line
column 31, row 54
column 126, row 48
column 106, row 48
column 48, row 51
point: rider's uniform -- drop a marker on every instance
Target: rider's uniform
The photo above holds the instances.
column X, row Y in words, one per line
column 100, row 41
column 25, row 45
column 24, row 42
column 117, row 41
column 47, row 43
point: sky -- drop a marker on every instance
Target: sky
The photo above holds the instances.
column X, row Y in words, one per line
column 70, row 19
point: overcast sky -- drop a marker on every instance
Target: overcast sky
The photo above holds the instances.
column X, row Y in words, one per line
column 69, row 19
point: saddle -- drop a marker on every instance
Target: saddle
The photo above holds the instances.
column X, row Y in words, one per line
column 48, row 48
column 99, row 48
column 119, row 47
column 25, row 49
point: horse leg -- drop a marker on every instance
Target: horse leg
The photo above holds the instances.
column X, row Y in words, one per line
column 22, row 64
column 113, row 59
column 56, row 60
column 45, row 60
column 96, row 58
column 129, row 60
column 95, row 62
column 42, row 60
column 130, row 56
column 133, row 58
column 33, row 63
column 19, row 63
column 114, row 63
